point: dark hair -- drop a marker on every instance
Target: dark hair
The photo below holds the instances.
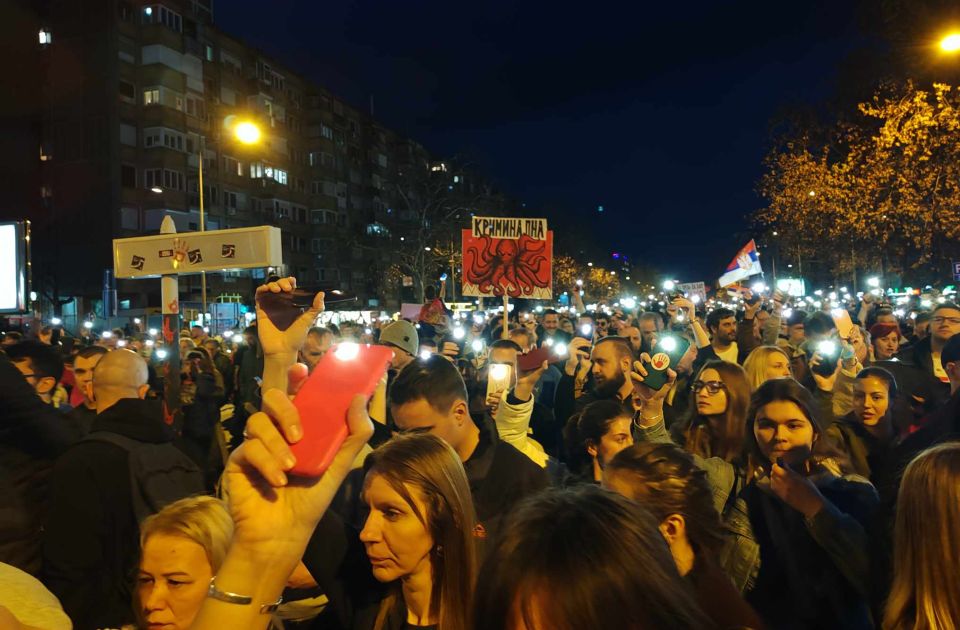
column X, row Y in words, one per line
column 818, row 323
column 508, row 344
column 884, row 375
column 583, row 558
column 213, row 341
column 945, row 305
column 797, row 318
column 250, row 330
column 950, row 352
column 789, row 390
column 320, row 331
column 698, row 434
column 620, row 345
column 44, row 360
column 665, row 480
column 90, row 351
column 923, row 316
column 434, row 379
column 551, row 311
column 196, row 326
column 715, row 316
column 588, row 427
column 13, row 334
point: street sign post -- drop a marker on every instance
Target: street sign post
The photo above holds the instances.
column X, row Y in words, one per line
column 193, row 252
column 169, row 255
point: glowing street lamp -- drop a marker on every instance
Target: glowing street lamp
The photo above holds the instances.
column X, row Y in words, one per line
column 247, row 132
column 950, row 43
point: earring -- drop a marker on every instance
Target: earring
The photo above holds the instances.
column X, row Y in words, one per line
column 438, row 550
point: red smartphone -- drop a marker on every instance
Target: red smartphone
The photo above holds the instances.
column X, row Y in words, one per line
column 345, row 370
column 534, row 359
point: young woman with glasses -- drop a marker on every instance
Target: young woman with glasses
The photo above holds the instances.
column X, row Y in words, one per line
column 720, row 395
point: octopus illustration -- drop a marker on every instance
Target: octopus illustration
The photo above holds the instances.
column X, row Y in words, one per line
column 502, row 266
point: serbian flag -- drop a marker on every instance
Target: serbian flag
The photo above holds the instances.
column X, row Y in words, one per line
column 746, row 264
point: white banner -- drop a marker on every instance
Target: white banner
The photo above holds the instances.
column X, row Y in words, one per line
column 193, row 252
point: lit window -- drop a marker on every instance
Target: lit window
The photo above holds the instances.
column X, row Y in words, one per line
column 151, row 97
column 45, row 37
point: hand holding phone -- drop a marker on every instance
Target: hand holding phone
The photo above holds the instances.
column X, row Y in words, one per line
column 499, row 378
column 534, row 359
column 345, row 371
column 666, row 355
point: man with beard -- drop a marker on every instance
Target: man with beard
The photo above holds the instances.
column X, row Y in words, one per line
column 610, row 365
column 722, row 325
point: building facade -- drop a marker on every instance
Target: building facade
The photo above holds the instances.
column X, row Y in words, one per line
column 133, row 95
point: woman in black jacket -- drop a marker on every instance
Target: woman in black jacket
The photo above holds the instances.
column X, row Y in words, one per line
column 414, row 562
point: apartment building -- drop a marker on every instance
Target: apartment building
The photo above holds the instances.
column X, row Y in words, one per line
column 133, row 95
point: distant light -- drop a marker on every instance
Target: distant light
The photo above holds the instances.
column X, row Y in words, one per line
column 426, row 249
column 156, row 189
column 950, row 43
column 121, row 343
column 425, row 354
column 45, row 37
column 153, row 332
column 206, row 329
column 33, row 296
column 775, row 233
column 696, row 298
column 590, row 264
column 56, row 321
column 227, row 334
column 458, row 333
column 149, row 343
column 477, row 345
column 812, row 193
column 88, row 325
column 136, row 320
column 628, row 303
column 368, row 331
column 106, row 334
column 148, row 11
column 161, row 354
column 579, row 283
column 599, row 208
column 873, row 282
column 669, row 285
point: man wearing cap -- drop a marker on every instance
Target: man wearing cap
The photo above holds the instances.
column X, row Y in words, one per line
column 885, row 339
column 401, row 337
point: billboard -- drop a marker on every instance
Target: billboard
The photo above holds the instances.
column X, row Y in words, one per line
column 13, row 267
column 508, row 256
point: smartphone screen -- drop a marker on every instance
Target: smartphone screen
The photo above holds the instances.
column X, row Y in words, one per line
column 498, row 377
column 346, row 370
column 841, row 318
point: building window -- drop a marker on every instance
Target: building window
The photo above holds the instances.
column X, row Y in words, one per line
column 316, row 188
column 326, row 132
column 196, row 107
column 151, row 96
column 208, row 52
column 232, row 165
column 153, row 178
column 173, row 180
column 45, row 37
column 128, row 176
column 128, row 135
column 128, row 91
column 159, row 14
column 230, row 199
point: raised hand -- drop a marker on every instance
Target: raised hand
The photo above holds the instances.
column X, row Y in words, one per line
column 275, row 341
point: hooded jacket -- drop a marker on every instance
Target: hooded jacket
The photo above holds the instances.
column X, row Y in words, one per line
column 91, row 538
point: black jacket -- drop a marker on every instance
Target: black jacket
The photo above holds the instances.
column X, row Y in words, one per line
column 930, row 388
column 32, row 436
column 91, row 542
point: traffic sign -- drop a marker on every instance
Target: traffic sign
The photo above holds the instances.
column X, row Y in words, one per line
column 956, row 270
column 193, row 252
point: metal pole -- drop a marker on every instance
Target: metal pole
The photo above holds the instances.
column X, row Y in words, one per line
column 203, row 274
column 170, row 309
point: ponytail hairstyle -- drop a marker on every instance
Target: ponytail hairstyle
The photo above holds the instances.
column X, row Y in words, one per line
column 663, row 478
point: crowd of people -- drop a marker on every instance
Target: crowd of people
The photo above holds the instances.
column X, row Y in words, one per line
column 740, row 462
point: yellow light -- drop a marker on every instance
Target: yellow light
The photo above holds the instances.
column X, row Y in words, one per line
column 247, row 132
column 950, row 43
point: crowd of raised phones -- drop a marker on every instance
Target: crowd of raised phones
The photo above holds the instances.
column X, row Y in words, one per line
column 731, row 463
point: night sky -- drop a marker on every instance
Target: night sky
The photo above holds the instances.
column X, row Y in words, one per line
column 658, row 113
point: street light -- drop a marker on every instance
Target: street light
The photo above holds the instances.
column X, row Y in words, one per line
column 950, row 43
column 247, row 133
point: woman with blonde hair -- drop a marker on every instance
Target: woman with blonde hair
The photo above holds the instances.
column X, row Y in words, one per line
column 926, row 587
column 418, row 539
column 182, row 547
column 764, row 363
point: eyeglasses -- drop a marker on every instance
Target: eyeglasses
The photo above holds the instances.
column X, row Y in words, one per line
column 939, row 319
column 712, row 387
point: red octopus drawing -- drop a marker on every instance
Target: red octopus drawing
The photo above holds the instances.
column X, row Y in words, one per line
column 515, row 267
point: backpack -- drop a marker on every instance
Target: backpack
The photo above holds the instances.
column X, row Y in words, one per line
column 159, row 473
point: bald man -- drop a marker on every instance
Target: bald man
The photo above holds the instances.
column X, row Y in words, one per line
column 90, row 543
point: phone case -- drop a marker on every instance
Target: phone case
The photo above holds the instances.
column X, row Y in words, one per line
column 495, row 385
column 533, row 359
column 843, row 323
column 661, row 360
column 323, row 401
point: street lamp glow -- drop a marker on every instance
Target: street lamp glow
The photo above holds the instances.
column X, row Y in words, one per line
column 156, row 189
column 247, row 132
column 950, row 43
column 669, row 285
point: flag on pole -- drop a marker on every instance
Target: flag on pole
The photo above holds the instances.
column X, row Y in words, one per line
column 744, row 265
